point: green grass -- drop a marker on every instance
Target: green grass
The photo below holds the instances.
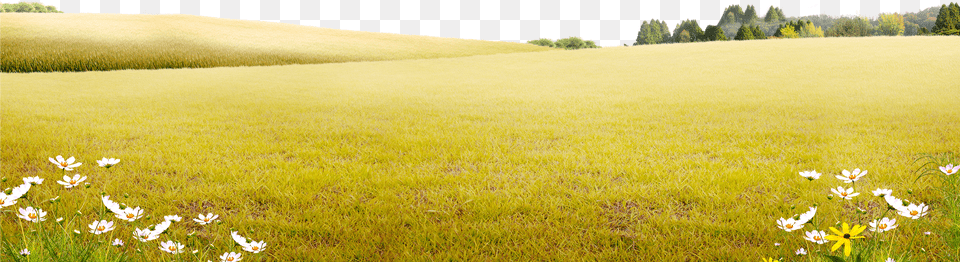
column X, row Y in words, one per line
column 96, row 42
column 652, row 153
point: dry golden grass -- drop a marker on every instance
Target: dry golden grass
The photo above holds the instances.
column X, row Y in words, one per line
column 88, row 42
column 686, row 152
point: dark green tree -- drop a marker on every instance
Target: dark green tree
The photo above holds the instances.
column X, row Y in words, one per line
column 650, row 33
column 692, row 28
column 750, row 15
column 911, row 29
column 772, row 15
column 715, row 33
column 758, row 33
column 665, row 31
column 948, row 21
column 745, row 33
column 733, row 14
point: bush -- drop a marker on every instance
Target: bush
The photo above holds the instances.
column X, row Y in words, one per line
column 850, row 27
column 891, row 24
column 542, row 42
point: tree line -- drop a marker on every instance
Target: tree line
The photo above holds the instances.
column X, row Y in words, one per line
column 744, row 24
column 24, row 7
column 570, row 43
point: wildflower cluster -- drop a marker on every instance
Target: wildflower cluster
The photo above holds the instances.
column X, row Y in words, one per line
column 121, row 212
column 842, row 233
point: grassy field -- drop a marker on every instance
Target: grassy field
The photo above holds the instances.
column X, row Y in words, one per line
column 87, row 42
column 682, row 152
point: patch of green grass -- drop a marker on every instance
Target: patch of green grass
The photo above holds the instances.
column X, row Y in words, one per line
column 652, row 153
column 97, row 42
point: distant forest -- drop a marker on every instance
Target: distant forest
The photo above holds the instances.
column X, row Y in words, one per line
column 24, row 7
column 745, row 24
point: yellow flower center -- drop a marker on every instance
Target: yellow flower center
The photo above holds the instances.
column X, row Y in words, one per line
column 883, row 226
column 32, row 215
column 913, row 212
column 853, row 177
column 206, row 220
column 73, row 181
column 843, row 193
column 129, row 215
column 1, row 201
column 145, row 236
column 789, row 226
column 100, row 228
column 255, row 247
column 63, row 164
column 817, row 238
column 172, row 248
column 230, row 259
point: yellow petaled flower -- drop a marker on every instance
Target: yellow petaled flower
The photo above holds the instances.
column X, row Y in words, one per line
column 844, row 237
column 769, row 259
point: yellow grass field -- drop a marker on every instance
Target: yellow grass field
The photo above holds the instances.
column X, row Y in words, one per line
column 683, row 152
column 85, row 42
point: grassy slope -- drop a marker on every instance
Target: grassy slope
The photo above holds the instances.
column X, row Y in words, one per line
column 654, row 152
column 83, row 42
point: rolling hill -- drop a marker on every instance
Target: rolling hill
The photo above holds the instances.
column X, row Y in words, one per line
column 94, row 42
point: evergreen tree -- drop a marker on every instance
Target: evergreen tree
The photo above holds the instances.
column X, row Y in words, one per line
column 692, row 28
column 665, row 32
column 733, row 14
column 650, row 33
column 715, row 33
column 750, row 15
column 948, row 21
column 758, row 33
column 745, row 33
column 773, row 15
column 780, row 14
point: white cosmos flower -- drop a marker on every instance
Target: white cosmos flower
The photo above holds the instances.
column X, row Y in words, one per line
column 801, row 252
column 70, row 182
column 845, row 194
column 914, row 211
column 251, row 246
column 24, row 252
column 117, row 242
column 949, row 169
column 173, row 218
column 67, row 164
column 147, row 234
column 127, row 214
column 819, row 237
column 811, row 175
column 894, row 202
column 15, row 193
column 805, row 217
column 108, row 162
column 100, row 227
column 850, row 177
column 171, row 247
column 231, row 257
column 880, row 192
column 130, row 214
column 33, row 180
column 31, row 214
column 788, row 224
column 209, row 218
column 889, row 260
column 883, row 225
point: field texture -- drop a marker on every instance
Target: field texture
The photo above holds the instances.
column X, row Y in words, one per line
column 87, row 42
column 654, row 153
